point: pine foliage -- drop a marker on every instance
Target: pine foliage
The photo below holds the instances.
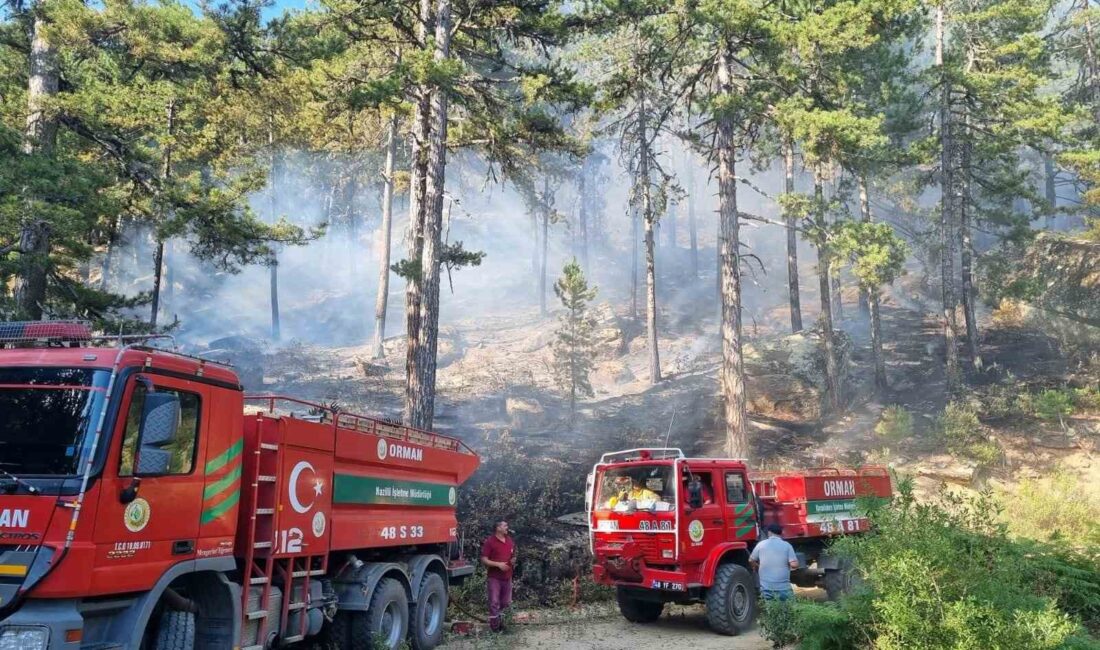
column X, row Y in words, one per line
column 574, row 349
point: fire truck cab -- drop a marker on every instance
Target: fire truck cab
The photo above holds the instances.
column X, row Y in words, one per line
column 667, row 528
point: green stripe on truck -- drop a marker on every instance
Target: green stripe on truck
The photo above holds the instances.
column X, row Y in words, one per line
column 349, row 488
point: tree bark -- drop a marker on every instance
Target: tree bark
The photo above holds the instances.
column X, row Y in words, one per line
column 40, row 138
column 649, row 216
column 418, row 205
column 947, row 211
column 966, row 257
column 109, row 256
column 382, row 299
column 877, row 358
column 693, row 234
column 670, row 225
column 837, row 297
column 635, row 239
column 158, row 256
column 865, row 215
column 420, row 389
column 732, row 374
column 828, row 336
column 792, row 240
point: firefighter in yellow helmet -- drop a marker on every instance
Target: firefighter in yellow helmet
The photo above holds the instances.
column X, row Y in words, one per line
column 627, row 490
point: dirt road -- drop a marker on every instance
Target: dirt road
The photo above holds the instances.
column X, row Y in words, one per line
column 680, row 627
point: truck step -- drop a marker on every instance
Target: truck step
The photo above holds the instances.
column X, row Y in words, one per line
column 302, row 574
column 295, row 606
column 267, row 446
column 259, row 613
column 261, row 580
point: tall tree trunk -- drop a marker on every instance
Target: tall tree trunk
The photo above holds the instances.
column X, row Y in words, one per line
column 865, row 214
column 650, row 217
column 158, row 256
column 544, row 225
column 693, row 234
column 420, row 389
column 732, row 374
column 40, row 139
column 967, row 245
column 947, row 211
column 837, row 297
column 272, row 211
column 381, row 300
column 635, row 239
column 582, row 214
column 1050, row 176
column 1092, row 66
column 418, row 206
column 870, row 299
column 832, row 370
column 877, row 358
column 792, row 240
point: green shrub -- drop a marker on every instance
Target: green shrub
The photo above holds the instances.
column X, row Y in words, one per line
column 946, row 575
column 959, row 429
column 1054, row 404
column 895, row 424
column 1087, row 398
column 777, row 622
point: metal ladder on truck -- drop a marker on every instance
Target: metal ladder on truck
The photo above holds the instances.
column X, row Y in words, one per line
column 265, row 563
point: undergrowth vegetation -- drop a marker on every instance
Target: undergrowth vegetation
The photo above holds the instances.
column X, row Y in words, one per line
column 959, row 429
column 947, row 575
column 1058, row 508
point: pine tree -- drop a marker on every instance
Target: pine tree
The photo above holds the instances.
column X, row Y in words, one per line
column 574, row 348
column 877, row 256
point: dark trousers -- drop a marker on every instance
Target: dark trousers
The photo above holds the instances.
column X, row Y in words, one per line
column 500, row 597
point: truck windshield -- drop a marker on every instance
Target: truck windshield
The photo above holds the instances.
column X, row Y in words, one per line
column 638, row 487
column 47, row 418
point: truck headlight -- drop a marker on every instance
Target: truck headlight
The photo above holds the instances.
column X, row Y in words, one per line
column 24, row 637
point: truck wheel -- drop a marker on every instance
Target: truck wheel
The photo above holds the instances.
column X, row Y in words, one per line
column 731, row 601
column 386, row 623
column 176, row 631
column 428, row 614
column 637, row 610
column 842, row 580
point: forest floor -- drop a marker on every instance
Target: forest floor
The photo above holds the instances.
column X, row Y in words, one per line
column 605, row 629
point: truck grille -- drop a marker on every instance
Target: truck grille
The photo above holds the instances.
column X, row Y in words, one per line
column 651, row 550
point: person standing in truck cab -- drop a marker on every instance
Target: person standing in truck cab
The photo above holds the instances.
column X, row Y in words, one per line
column 774, row 559
column 498, row 554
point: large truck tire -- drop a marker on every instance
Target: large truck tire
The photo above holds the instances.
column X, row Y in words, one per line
column 842, row 580
column 637, row 610
column 176, row 631
column 427, row 616
column 731, row 600
column 385, row 624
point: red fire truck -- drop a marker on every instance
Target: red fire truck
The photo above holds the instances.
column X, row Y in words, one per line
column 145, row 502
column 665, row 528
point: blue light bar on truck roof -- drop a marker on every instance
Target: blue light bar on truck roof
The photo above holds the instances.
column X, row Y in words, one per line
column 45, row 331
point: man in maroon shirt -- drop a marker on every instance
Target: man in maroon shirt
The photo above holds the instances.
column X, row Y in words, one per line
column 498, row 554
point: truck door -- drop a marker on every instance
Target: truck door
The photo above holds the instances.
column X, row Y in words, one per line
column 740, row 509
column 703, row 527
column 148, row 521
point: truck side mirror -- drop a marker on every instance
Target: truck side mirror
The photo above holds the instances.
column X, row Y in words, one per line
column 695, row 493
column 160, row 419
